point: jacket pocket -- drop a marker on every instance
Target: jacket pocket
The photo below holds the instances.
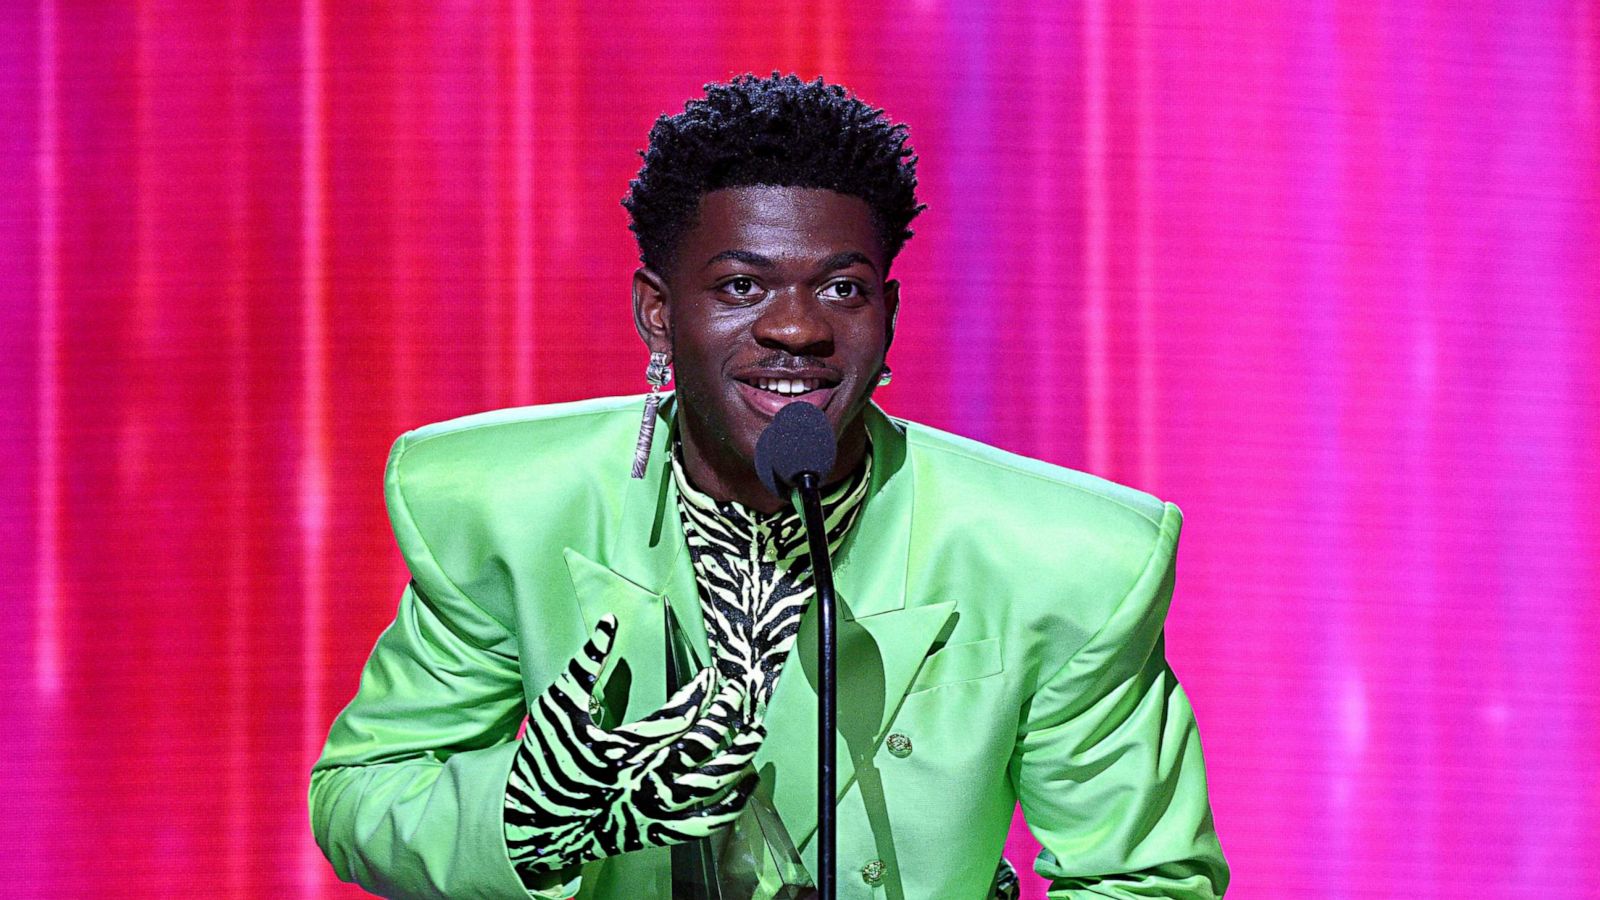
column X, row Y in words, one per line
column 958, row 662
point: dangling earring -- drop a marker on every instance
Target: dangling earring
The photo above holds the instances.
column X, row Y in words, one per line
column 658, row 373
column 885, row 375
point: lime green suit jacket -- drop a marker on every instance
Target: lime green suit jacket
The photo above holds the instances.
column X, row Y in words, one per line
column 1002, row 614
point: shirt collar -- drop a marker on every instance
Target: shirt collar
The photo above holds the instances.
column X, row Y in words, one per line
column 840, row 501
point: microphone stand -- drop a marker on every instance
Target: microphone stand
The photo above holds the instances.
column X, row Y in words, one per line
column 809, row 486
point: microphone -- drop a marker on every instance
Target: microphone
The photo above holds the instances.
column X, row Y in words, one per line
column 798, row 450
column 799, row 440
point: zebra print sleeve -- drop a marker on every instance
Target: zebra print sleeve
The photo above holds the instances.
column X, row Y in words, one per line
column 578, row 792
column 1006, row 885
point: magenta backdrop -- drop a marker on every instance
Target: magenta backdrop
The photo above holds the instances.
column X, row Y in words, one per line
column 1323, row 274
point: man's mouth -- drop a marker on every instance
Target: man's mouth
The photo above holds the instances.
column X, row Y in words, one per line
column 788, row 387
column 768, row 394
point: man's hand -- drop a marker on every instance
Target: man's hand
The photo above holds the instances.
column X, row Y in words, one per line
column 578, row 792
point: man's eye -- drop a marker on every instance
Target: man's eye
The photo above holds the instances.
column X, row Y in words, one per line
column 740, row 287
column 844, row 290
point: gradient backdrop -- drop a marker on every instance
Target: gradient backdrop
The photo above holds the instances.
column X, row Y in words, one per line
column 1324, row 274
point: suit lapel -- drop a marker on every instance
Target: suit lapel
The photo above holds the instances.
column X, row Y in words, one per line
column 878, row 657
column 648, row 547
column 630, row 684
column 645, row 561
column 870, row 568
column 881, row 644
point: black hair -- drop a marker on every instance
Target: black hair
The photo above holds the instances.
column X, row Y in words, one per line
column 771, row 131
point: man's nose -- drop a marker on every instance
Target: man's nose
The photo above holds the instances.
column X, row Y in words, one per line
column 795, row 321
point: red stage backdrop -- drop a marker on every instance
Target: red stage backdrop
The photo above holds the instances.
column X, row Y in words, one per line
column 1323, row 274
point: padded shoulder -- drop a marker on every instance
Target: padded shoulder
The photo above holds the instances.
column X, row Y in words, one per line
column 474, row 497
column 990, row 468
column 1056, row 549
column 493, row 450
column 495, row 422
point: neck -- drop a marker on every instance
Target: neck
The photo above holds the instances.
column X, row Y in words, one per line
column 718, row 470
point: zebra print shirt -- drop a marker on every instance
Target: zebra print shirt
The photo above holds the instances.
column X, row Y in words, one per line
column 755, row 583
column 755, row 577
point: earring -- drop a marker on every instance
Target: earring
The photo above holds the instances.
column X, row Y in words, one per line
column 658, row 373
column 885, row 375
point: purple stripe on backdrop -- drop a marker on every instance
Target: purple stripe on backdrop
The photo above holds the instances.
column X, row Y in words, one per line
column 312, row 478
column 970, row 140
column 28, row 505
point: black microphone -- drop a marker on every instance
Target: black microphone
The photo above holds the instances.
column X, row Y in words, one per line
column 798, row 449
column 799, row 440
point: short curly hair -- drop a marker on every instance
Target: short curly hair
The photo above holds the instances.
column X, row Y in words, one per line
column 778, row 131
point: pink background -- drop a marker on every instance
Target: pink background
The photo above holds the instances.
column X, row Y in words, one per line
column 1324, row 274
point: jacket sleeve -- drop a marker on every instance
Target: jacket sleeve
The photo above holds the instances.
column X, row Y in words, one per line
column 1108, row 766
column 407, row 798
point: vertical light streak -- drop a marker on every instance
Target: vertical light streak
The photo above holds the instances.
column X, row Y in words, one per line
column 402, row 205
column 1044, row 234
column 1586, row 39
column 565, row 67
column 48, row 664
column 240, row 531
column 492, row 202
column 313, row 488
column 1319, row 212
column 832, row 33
column 134, row 442
column 1096, row 351
column 1144, row 234
column 971, row 119
column 522, row 322
column 792, row 20
column 1415, row 249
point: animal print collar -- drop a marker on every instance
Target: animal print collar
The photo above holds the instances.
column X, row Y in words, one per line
column 752, row 577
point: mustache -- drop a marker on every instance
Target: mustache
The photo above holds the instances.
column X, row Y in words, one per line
column 792, row 363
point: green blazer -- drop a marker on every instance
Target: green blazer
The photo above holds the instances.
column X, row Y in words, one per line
column 1001, row 615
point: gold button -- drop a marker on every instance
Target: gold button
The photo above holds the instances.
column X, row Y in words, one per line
column 872, row 872
column 594, row 708
column 899, row 745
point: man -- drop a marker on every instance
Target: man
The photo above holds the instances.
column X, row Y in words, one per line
column 1000, row 618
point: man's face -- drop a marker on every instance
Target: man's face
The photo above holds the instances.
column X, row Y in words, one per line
column 777, row 295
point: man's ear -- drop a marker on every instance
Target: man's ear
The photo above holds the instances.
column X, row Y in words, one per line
column 891, row 306
column 650, row 300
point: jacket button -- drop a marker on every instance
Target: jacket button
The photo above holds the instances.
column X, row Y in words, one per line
column 899, row 745
column 872, row 872
column 594, row 708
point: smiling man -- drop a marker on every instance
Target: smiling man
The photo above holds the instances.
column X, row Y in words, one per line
column 778, row 296
column 1000, row 618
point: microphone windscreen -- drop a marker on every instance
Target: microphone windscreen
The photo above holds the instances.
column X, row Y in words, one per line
column 798, row 440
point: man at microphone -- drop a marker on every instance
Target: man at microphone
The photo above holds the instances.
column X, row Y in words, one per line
column 1000, row 618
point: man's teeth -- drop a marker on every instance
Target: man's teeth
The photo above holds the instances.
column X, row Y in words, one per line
column 789, row 386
